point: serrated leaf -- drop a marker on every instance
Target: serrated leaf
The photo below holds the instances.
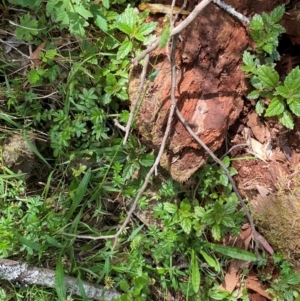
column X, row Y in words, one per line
column 277, row 13
column 105, row 3
column 253, row 95
column 147, row 28
column 195, row 272
column 146, row 160
column 228, row 221
column 223, row 179
column 226, row 161
column 164, row 37
column 256, row 83
column 211, row 262
column 124, row 49
column 216, row 232
column 268, row 48
column 127, row 21
column 276, row 107
column 232, row 252
column 292, row 279
column 171, row 208
column 295, row 106
column 278, row 29
column 27, row 29
column 260, row 107
column 283, row 91
column 186, row 224
column 248, row 59
column 268, row 76
column 256, row 23
column 292, row 81
column 82, row 11
column 266, row 18
column 124, row 285
column 199, row 211
column 229, row 207
column 286, row 119
column 101, row 23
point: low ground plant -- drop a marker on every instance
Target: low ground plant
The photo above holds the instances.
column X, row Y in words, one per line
column 70, row 94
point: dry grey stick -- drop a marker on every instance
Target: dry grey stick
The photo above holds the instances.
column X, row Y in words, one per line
column 207, row 149
column 137, row 98
column 27, row 275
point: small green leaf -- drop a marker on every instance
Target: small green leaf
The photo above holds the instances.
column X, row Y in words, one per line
column 82, row 11
column 253, row 95
column 186, row 224
column 211, row 262
column 283, row 91
column 226, row 161
column 127, row 21
column 124, row 285
column 223, row 179
column 286, row 119
column 256, row 23
column 216, row 232
column 124, row 49
column 171, row 208
column 295, row 106
column 260, row 107
column 105, row 3
column 232, row 252
column 153, row 75
column 146, row 28
column 195, row 272
column 268, row 48
column 292, row 279
column 277, row 13
column 228, row 221
column 268, row 76
column 164, row 37
column 292, row 81
column 276, row 107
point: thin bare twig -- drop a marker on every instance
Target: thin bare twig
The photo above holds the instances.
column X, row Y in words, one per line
column 137, row 99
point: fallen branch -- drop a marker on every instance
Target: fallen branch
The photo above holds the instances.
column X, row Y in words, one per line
column 27, row 275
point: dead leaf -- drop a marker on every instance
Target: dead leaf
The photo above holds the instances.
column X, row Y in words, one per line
column 253, row 284
column 35, row 56
column 232, row 277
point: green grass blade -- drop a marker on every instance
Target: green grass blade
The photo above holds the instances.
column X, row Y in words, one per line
column 195, row 272
column 79, row 194
column 232, row 252
column 30, row 244
column 34, row 149
column 60, row 284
